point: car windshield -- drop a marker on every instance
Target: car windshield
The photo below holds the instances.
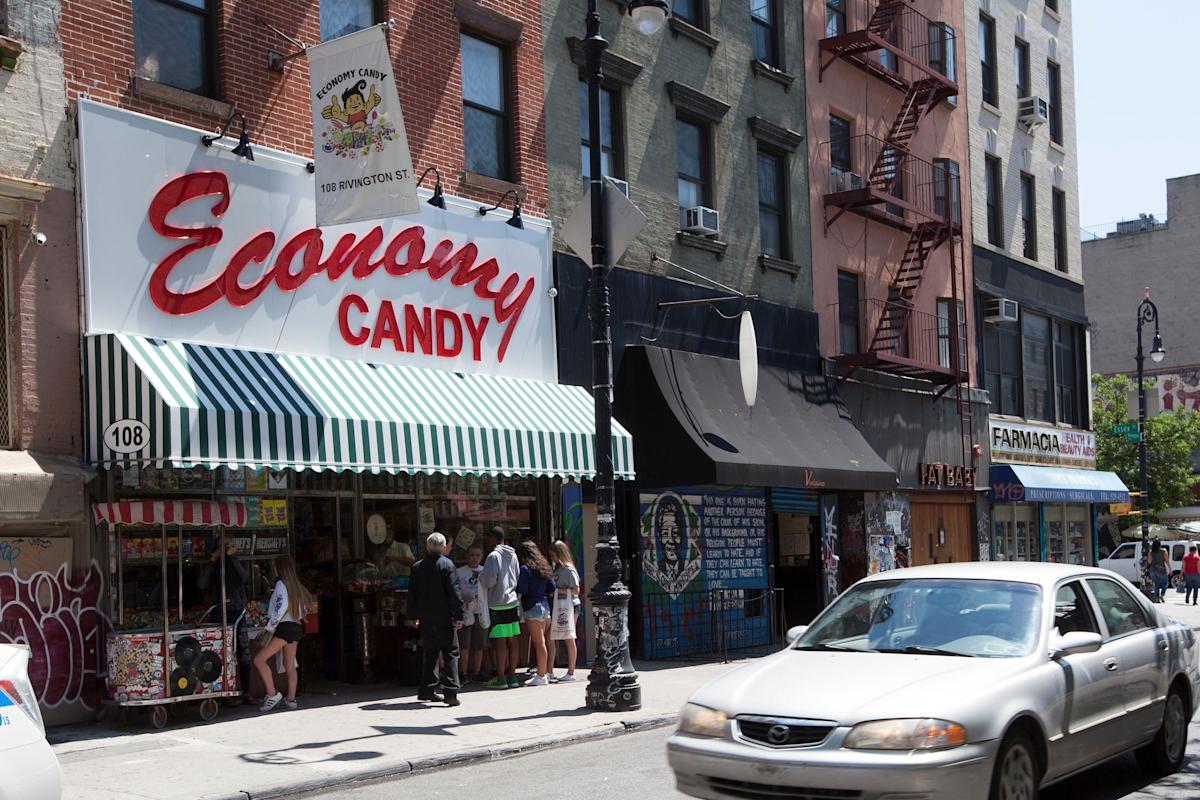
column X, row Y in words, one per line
column 929, row 616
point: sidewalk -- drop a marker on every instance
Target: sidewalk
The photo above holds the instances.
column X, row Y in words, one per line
column 1176, row 608
column 379, row 732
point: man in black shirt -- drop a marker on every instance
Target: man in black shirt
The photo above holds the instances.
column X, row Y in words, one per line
column 435, row 606
column 236, row 577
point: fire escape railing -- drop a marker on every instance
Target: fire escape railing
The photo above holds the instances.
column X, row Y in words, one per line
column 892, row 41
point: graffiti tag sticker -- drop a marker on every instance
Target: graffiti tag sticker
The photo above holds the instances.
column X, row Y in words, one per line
column 127, row 436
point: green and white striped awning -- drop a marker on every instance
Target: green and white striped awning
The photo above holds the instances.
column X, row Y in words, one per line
column 169, row 403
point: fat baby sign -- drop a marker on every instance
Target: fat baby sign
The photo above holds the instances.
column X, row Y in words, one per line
column 360, row 152
column 193, row 243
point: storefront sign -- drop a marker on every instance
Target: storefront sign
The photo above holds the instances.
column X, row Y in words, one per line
column 948, row 475
column 360, row 150
column 1022, row 443
column 192, row 243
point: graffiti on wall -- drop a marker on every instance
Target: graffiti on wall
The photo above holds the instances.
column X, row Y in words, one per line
column 983, row 529
column 830, row 559
column 1180, row 391
column 889, row 530
column 58, row 616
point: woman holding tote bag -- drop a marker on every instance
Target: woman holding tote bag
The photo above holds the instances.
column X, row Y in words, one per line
column 566, row 609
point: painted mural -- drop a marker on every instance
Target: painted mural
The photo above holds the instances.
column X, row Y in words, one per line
column 889, row 531
column 704, row 577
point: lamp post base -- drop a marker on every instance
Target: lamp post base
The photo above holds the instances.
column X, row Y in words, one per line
column 613, row 682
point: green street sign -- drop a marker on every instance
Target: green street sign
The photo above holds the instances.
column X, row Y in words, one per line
column 1134, row 437
column 1129, row 429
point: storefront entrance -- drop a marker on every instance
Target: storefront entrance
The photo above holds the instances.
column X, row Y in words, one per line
column 941, row 530
column 797, row 544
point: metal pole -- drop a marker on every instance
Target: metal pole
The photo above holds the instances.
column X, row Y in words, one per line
column 1147, row 312
column 612, row 682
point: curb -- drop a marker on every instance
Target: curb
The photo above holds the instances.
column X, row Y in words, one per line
column 456, row 759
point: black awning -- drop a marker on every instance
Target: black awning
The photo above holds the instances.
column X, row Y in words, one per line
column 691, row 425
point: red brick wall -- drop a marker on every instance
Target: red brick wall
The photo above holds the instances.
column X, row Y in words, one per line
column 97, row 40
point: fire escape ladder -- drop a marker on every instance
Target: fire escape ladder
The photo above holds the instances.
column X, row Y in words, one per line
column 893, row 323
column 885, row 17
column 919, row 98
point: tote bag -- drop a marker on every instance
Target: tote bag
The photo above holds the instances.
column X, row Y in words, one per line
column 562, row 626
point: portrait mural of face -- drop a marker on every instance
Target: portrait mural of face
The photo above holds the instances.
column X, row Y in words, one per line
column 671, row 554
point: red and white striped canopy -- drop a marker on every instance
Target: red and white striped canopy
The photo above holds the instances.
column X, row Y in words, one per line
column 200, row 513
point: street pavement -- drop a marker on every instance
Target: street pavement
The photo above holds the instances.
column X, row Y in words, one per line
column 377, row 732
column 636, row 766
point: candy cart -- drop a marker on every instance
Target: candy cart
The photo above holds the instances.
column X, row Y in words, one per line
column 160, row 657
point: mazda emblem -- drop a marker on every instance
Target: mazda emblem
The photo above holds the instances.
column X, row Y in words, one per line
column 778, row 734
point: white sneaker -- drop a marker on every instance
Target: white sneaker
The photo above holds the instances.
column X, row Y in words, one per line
column 290, row 705
column 269, row 703
column 537, row 680
column 566, row 677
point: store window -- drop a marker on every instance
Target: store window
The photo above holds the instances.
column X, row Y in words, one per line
column 486, row 113
column 173, row 43
column 764, row 23
column 610, row 139
column 1015, row 533
column 849, row 335
column 772, row 204
column 1035, row 336
column 1002, row 366
column 342, row 17
column 693, row 162
column 1067, row 378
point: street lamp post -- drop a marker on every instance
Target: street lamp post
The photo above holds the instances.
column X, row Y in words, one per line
column 1147, row 312
column 612, row 683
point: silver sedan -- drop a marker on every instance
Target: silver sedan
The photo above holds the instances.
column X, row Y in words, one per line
column 975, row 680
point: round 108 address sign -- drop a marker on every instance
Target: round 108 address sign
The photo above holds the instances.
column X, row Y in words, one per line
column 127, row 436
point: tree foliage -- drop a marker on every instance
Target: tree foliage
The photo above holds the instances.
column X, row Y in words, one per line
column 1170, row 441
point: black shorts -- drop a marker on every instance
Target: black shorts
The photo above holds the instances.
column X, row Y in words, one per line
column 290, row 632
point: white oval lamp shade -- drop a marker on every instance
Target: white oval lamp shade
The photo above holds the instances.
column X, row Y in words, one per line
column 748, row 358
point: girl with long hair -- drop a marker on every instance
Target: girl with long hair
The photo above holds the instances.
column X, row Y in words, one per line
column 566, row 581
column 535, row 585
column 290, row 603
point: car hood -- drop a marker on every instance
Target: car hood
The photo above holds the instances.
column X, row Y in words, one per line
column 852, row 687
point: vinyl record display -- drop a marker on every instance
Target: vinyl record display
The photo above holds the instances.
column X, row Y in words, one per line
column 208, row 668
column 183, row 682
column 187, row 650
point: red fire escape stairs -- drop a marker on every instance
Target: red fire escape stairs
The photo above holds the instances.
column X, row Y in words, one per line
column 921, row 97
column 892, row 329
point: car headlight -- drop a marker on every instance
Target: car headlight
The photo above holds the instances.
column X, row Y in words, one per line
column 906, row 734
column 702, row 721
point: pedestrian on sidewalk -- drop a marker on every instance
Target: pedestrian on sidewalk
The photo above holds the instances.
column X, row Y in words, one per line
column 435, row 605
column 1191, row 575
column 535, row 585
column 499, row 578
column 1160, row 569
column 290, row 602
column 566, row 582
column 236, row 577
column 472, row 636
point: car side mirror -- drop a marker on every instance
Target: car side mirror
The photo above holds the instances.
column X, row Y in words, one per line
column 795, row 633
column 1075, row 643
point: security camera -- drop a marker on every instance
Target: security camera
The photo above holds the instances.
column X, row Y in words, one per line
column 553, row 292
column 39, row 239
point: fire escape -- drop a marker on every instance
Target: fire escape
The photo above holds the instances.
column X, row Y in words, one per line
column 882, row 180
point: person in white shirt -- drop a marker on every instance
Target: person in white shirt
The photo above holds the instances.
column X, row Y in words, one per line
column 472, row 637
column 290, row 603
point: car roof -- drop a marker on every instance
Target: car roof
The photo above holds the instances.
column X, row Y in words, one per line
column 1035, row 572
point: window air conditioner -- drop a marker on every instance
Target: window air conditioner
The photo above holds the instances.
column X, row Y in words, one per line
column 1033, row 111
column 700, row 220
column 847, row 181
column 998, row 309
column 622, row 186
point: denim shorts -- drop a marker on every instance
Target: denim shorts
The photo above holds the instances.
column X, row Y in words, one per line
column 538, row 612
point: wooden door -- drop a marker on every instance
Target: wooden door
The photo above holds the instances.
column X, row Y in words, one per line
column 941, row 533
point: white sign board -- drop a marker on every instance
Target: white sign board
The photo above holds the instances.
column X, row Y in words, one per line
column 1022, row 443
column 360, row 151
column 192, row 243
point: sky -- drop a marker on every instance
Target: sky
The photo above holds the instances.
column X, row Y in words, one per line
column 1137, row 100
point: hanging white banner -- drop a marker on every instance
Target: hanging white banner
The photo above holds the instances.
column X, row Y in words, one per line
column 363, row 166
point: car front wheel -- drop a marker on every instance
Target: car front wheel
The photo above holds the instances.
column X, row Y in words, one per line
column 1164, row 755
column 1015, row 776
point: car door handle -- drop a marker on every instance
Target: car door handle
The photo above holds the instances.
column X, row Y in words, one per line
column 1110, row 664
